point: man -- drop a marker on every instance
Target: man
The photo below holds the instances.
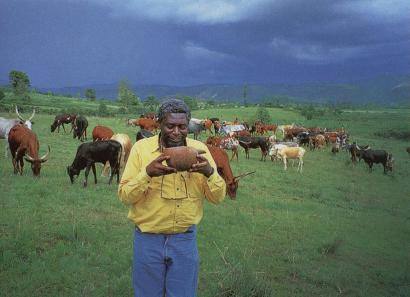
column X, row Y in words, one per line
column 166, row 205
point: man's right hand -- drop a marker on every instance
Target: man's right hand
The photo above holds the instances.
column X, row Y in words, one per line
column 156, row 168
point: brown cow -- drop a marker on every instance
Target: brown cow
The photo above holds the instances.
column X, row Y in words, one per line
column 24, row 143
column 102, row 133
column 147, row 124
column 226, row 143
column 208, row 125
column 224, row 169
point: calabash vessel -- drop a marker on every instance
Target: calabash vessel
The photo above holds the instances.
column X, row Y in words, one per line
column 182, row 157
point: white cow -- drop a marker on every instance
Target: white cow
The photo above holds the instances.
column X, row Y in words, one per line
column 7, row 124
column 292, row 153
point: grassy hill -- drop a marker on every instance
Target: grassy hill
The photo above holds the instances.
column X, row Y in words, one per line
column 335, row 230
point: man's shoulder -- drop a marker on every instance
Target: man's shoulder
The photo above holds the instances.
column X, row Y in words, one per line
column 196, row 143
column 146, row 143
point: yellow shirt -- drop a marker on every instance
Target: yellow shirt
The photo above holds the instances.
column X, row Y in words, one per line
column 169, row 203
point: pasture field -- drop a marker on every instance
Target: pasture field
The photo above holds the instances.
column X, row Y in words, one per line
column 334, row 230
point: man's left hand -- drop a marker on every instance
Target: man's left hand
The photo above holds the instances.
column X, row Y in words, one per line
column 202, row 166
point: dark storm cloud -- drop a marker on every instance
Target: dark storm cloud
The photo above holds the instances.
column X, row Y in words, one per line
column 71, row 42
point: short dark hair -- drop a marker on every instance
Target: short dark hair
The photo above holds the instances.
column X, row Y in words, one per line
column 173, row 106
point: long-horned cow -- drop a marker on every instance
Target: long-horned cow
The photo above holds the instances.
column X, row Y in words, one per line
column 224, row 169
column 7, row 124
column 24, row 144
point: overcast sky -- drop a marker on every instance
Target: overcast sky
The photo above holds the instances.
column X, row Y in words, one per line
column 181, row 42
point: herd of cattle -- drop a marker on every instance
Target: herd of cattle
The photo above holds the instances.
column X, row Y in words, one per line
column 113, row 149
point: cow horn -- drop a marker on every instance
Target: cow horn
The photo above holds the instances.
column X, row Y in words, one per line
column 28, row 158
column 32, row 115
column 200, row 152
column 243, row 175
column 19, row 116
column 245, row 142
column 45, row 157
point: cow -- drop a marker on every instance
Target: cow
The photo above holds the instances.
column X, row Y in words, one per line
column 91, row 152
column 378, row 156
column 23, row 143
column 224, row 169
column 147, row 124
column 7, row 124
column 126, row 145
column 62, row 119
column 273, row 151
column 356, row 151
column 141, row 134
column 335, row 147
column 195, row 127
column 254, row 142
column 291, row 133
column 316, row 141
column 207, row 125
column 226, row 143
column 292, row 153
column 102, row 133
column 282, row 128
column 80, row 128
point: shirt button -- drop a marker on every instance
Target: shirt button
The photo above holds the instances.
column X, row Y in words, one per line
column 177, row 205
column 177, row 189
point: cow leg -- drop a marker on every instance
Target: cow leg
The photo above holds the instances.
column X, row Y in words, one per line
column 94, row 172
column 285, row 163
column 87, row 171
column 63, row 128
column 300, row 165
column 13, row 160
column 21, row 166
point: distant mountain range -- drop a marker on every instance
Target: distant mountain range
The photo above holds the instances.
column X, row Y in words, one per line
column 384, row 90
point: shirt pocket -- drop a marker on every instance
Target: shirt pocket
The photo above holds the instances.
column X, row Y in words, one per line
column 194, row 184
column 173, row 186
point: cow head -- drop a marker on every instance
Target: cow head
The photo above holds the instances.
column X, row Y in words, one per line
column 232, row 187
column 389, row 163
column 72, row 171
column 36, row 163
column 28, row 123
column 53, row 126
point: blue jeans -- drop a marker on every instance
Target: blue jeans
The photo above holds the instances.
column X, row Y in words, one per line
column 165, row 264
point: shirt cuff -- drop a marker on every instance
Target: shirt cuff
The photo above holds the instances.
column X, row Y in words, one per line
column 213, row 176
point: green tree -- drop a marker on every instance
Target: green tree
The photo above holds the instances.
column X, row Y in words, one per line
column 2, row 95
column 151, row 103
column 102, row 109
column 261, row 115
column 90, row 94
column 20, row 83
column 191, row 102
column 126, row 96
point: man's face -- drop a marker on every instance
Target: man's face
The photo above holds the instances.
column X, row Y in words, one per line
column 174, row 129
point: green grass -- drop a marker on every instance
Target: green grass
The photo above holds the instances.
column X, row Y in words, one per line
column 335, row 230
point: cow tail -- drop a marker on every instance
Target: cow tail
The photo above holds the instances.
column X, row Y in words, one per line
column 118, row 165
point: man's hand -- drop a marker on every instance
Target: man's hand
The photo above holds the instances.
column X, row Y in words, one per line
column 202, row 166
column 156, row 168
